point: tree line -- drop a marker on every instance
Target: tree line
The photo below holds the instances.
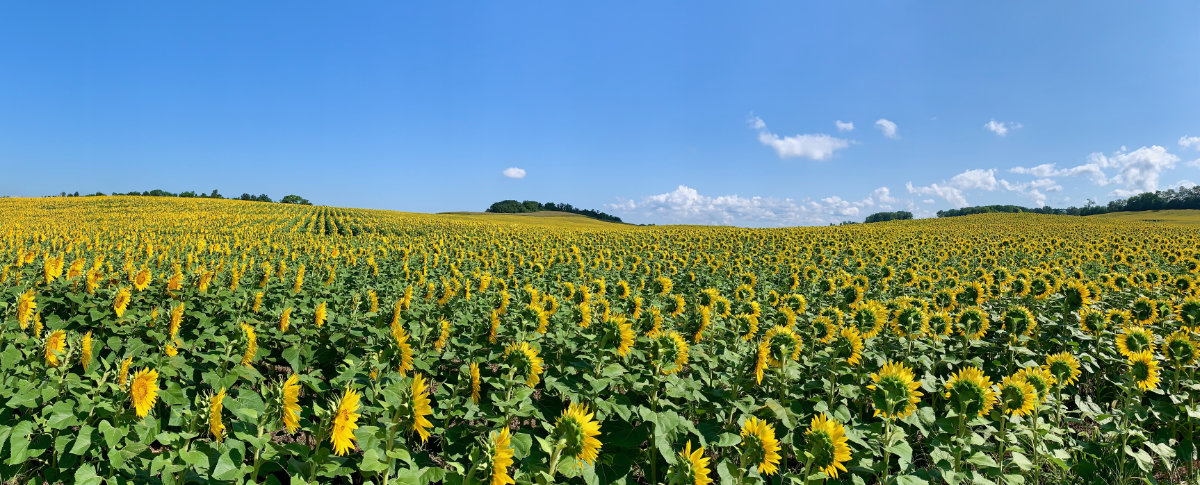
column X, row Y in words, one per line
column 515, row 207
column 215, row 194
column 1171, row 199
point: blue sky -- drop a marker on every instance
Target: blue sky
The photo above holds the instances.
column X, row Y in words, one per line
column 696, row 112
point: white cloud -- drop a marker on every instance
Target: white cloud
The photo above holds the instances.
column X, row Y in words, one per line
column 686, row 205
column 1190, row 142
column 887, row 127
column 951, row 194
column 514, row 173
column 814, row 147
column 844, row 126
column 1001, row 127
column 1138, row 170
column 1182, row 184
column 975, row 179
column 1091, row 170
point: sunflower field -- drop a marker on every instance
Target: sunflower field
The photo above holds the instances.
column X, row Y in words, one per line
column 154, row 340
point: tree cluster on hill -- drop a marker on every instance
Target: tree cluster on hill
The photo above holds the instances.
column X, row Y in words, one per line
column 515, row 207
column 889, row 216
column 215, row 194
column 1171, row 199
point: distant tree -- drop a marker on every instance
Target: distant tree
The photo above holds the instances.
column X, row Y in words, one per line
column 889, row 216
column 294, row 199
column 215, row 195
column 263, row 198
column 531, row 206
column 506, row 207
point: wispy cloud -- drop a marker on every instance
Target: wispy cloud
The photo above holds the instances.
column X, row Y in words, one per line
column 844, row 126
column 1001, row 128
column 514, row 173
column 810, row 146
column 888, row 127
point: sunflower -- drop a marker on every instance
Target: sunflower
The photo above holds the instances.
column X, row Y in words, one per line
column 1016, row 396
column 500, row 456
column 1019, row 322
column 1180, row 349
column 421, row 410
column 121, row 302
column 26, row 306
column 1076, row 295
column 827, row 445
column 849, row 345
column 1119, row 318
column 291, row 403
column 56, row 343
column 320, row 315
column 85, row 353
column 972, row 323
column 142, row 280
column 1188, row 312
column 911, row 322
column 670, row 352
column 784, row 344
column 215, row 406
column 285, row 320
column 123, row 374
column 143, row 391
column 1144, row 370
column 251, row 344
column 760, row 363
column 760, row 448
column 406, row 352
column 1092, row 321
column 622, row 332
column 745, row 325
column 1064, row 367
column 692, row 467
column 444, row 336
column 525, row 361
column 576, row 430
column 345, row 422
column 1144, row 311
column 474, row 370
column 894, row 391
column 970, row 392
column 1133, row 340
column 1038, row 377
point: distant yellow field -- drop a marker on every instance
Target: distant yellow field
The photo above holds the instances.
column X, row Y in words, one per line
column 543, row 218
column 1172, row 216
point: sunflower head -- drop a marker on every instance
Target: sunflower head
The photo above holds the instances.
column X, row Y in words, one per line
column 576, row 431
column 894, row 391
column 1144, row 310
column 56, row 344
column 1038, row 377
column 1019, row 321
column 970, row 392
column 827, row 444
column 1144, row 370
column 692, row 467
column 1076, row 295
column 1016, row 396
column 345, row 421
column 783, row 344
column 1064, row 367
column 1179, row 348
column 1133, row 340
column 143, row 391
column 500, row 457
column 848, row 346
column 525, row 362
column 1188, row 312
column 760, row 448
column 972, row 323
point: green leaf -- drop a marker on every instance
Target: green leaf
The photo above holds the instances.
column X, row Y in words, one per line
column 86, row 475
column 982, row 460
column 83, row 441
